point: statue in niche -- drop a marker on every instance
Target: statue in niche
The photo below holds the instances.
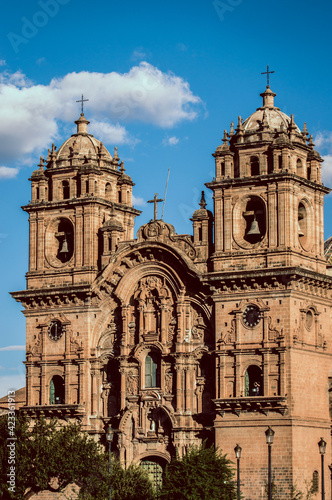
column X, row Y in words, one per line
column 132, row 384
column 199, row 327
column 168, row 383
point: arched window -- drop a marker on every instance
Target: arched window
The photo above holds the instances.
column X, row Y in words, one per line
column 119, row 197
column 254, row 165
column 152, row 370
column 65, row 190
column 253, row 381
column 57, row 391
column 315, row 482
column 37, row 193
column 108, row 191
column 308, row 172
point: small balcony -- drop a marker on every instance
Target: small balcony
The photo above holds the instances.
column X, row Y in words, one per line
column 249, row 404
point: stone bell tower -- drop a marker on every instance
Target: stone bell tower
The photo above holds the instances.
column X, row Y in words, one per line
column 272, row 299
column 80, row 211
column 71, row 199
column 268, row 194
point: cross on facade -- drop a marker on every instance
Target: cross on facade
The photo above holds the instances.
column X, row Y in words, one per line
column 267, row 73
column 155, row 201
column 82, row 101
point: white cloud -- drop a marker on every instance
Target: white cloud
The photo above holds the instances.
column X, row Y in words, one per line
column 2, row 62
column 8, row 173
column 324, row 140
column 111, row 133
column 138, row 201
column 31, row 115
column 170, row 141
column 41, row 61
column 13, row 348
column 327, row 170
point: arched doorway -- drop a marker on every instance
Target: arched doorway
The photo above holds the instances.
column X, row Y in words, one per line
column 154, row 466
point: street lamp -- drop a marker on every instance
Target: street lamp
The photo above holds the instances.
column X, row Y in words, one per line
column 269, row 433
column 238, row 450
column 109, row 439
column 322, row 448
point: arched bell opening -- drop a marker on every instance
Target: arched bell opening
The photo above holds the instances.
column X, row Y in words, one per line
column 65, row 237
column 57, row 390
column 65, row 190
column 254, row 165
column 108, row 191
column 255, row 220
column 302, row 223
column 253, row 381
column 299, row 167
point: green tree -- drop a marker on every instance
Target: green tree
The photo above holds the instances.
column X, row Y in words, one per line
column 48, row 452
column 203, row 473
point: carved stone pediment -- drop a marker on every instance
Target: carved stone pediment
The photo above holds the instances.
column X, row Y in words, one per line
column 158, row 230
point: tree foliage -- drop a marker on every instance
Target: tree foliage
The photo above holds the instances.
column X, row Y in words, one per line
column 203, row 472
column 49, row 455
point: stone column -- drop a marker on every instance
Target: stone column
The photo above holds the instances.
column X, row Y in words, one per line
column 123, row 389
column 78, row 237
column 237, row 364
column 266, row 374
column 33, row 242
column 179, row 372
column 44, row 388
column 228, row 221
column 81, row 377
column 272, row 215
column 40, row 240
column 219, row 223
column 281, row 216
column 163, row 323
column 67, row 372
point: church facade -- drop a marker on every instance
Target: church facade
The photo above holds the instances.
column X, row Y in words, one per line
column 172, row 339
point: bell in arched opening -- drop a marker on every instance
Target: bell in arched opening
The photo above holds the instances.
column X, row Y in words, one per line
column 299, row 230
column 254, row 228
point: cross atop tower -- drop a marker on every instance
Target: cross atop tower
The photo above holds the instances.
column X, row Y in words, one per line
column 82, row 101
column 267, row 73
column 155, row 201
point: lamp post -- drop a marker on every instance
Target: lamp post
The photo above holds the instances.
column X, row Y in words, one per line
column 322, row 448
column 238, row 450
column 109, row 438
column 269, row 433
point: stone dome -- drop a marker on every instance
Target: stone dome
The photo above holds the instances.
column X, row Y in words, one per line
column 268, row 115
column 82, row 143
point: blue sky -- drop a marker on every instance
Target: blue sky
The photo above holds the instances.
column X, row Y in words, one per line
column 163, row 79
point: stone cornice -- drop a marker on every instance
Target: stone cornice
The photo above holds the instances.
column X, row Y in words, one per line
column 45, row 297
column 73, row 202
column 274, row 279
column 266, row 179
